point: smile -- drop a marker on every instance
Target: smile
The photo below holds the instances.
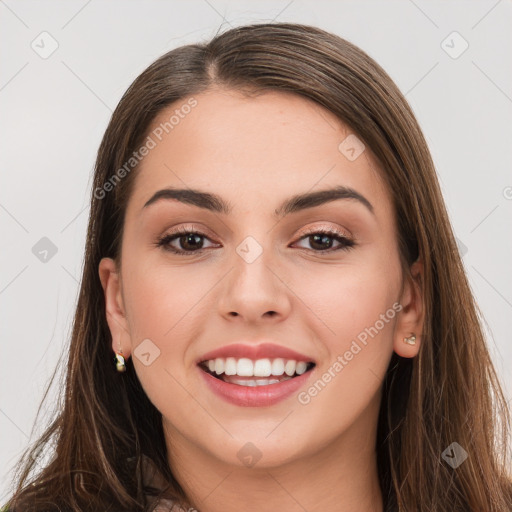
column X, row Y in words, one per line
column 242, row 371
column 254, row 383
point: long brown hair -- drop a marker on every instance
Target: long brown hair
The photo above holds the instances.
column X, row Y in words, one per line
column 107, row 426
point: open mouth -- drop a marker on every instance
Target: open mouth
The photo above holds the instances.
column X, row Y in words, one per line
column 250, row 373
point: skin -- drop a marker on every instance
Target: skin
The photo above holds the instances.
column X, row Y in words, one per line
column 255, row 153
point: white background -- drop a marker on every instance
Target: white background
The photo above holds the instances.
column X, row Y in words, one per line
column 54, row 112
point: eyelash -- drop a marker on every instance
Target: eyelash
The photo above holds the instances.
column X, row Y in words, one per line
column 346, row 243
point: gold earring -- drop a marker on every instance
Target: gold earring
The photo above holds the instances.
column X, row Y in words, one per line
column 119, row 360
column 411, row 340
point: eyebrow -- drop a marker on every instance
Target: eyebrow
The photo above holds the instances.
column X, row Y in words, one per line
column 296, row 203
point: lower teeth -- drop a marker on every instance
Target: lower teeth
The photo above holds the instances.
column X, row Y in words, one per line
column 253, row 382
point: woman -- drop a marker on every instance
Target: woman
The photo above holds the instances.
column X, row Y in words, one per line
column 271, row 266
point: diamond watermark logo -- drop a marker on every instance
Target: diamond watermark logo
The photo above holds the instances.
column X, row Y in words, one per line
column 44, row 250
column 146, row 352
column 454, row 45
column 249, row 455
column 351, row 147
column 249, row 249
column 454, row 455
column 44, row 45
column 462, row 248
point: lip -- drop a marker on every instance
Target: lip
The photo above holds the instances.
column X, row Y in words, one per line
column 257, row 396
column 254, row 352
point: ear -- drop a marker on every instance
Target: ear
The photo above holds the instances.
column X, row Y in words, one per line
column 411, row 317
column 112, row 288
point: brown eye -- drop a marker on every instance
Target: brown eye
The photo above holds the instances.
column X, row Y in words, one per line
column 322, row 241
column 188, row 241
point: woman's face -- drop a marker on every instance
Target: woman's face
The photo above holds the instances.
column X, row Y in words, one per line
column 259, row 273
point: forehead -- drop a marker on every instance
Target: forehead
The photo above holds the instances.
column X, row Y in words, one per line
column 267, row 146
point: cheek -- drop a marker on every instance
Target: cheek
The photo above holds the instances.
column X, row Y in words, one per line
column 354, row 312
column 165, row 308
column 158, row 296
column 360, row 316
column 347, row 299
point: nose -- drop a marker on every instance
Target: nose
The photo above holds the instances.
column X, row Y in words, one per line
column 255, row 291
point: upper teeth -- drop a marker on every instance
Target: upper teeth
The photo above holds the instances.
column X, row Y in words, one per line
column 245, row 367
